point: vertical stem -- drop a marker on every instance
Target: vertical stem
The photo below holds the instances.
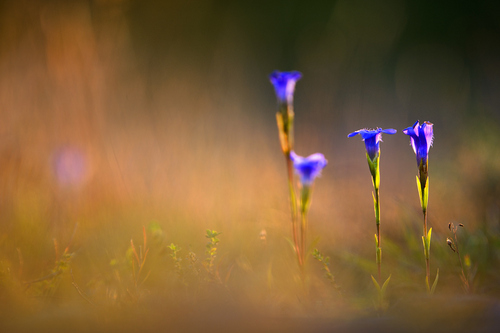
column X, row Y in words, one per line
column 464, row 278
column 379, row 241
column 293, row 206
column 304, row 205
column 303, row 230
column 427, row 259
column 375, row 172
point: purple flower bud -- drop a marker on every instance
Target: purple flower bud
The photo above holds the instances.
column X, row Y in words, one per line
column 70, row 166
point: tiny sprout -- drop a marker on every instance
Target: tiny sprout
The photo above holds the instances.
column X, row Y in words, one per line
column 460, row 225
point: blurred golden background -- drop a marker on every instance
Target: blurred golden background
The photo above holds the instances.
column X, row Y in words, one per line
column 119, row 114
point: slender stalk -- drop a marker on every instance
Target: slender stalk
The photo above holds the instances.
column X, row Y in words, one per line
column 304, row 205
column 427, row 260
column 375, row 172
column 379, row 240
column 284, row 118
column 303, row 230
column 293, row 207
column 465, row 279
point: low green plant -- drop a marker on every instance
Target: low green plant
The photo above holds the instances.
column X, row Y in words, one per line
column 325, row 262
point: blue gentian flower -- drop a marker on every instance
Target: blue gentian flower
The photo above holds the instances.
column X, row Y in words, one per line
column 284, row 85
column 421, row 137
column 308, row 168
column 372, row 139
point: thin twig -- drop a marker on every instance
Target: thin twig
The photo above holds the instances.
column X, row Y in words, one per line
column 79, row 290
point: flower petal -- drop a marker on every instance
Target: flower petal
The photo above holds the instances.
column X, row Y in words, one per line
column 284, row 84
column 421, row 137
column 308, row 168
column 372, row 139
column 389, row 131
column 429, row 134
column 350, row 135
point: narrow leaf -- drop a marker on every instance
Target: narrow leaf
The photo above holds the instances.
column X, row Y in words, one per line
column 386, row 283
column 291, row 244
column 426, row 194
column 420, row 192
column 134, row 251
column 435, row 282
column 376, row 284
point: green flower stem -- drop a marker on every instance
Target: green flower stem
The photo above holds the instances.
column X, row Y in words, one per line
column 427, row 249
column 375, row 172
column 304, row 207
column 284, row 119
column 293, row 207
column 379, row 240
column 423, row 191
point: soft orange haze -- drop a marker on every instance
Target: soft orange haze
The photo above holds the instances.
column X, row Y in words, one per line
column 116, row 114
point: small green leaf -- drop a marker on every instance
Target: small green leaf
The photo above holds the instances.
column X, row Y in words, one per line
column 427, row 243
column 419, row 186
column 376, row 284
column 435, row 282
column 426, row 194
column 291, row 243
column 379, row 255
column 386, row 283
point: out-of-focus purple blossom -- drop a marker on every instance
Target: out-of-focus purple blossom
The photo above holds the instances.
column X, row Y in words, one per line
column 372, row 139
column 70, row 166
column 421, row 137
column 284, row 85
column 308, row 168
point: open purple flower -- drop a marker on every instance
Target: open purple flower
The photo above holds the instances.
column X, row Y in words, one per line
column 308, row 168
column 421, row 137
column 284, row 85
column 372, row 139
